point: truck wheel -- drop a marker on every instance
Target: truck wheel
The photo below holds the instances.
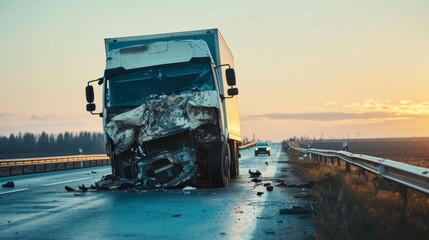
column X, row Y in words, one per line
column 219, row 164
column 235, row 167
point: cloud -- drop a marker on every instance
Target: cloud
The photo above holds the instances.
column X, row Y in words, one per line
column 404, row 107
column 43, row 117
column 4, row 114
column 367, row 112
column 329, row 116
column 52, row 123
column 330, row 103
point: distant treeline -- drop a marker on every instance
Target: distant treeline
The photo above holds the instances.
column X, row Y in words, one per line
column 25, row 145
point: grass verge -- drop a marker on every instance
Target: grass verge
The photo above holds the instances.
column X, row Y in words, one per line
column 353, row 206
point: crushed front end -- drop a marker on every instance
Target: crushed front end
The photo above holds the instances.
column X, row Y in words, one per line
column 165, row 141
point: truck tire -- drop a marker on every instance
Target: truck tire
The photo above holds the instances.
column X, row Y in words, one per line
column 219, row 164
column 235, row 167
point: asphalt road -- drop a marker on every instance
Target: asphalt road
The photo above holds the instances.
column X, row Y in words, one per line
column 39, row 207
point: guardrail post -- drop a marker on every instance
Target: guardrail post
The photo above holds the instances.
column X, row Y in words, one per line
column 404, row 196
column 362, row 171
column 332, row 161
column 338, row 161
column 347, row 166
column 403, row 191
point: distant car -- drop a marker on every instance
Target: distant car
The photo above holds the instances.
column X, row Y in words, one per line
column 263, row 147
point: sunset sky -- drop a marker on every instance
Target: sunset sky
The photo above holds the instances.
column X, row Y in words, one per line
column 331, row 69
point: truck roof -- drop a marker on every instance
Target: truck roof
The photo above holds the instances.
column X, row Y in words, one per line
column 208, row 35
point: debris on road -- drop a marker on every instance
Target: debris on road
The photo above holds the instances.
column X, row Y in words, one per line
column 176, row 215
column 107, row 182
column 256, row 180
column 83, row 188
column 9, row 184
column 270, row 188
column 254, row 174
column 297, row 210
column 267, row 184
column 266, row 163
column 281, row 184
column 188, row 188
column 305, row 185
column 306, row 196
column 93, row 172
column 259, row 193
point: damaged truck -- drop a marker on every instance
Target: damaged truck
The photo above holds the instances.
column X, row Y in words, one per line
column 170, row 110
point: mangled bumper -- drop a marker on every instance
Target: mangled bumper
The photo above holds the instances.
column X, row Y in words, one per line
column 167, row 169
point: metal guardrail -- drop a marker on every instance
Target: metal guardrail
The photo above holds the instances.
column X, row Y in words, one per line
column 44, row 160
column 247, row 145
column 408, row 175
column 11, row 167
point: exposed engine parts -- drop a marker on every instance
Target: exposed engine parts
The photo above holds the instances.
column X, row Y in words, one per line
column 163, row 169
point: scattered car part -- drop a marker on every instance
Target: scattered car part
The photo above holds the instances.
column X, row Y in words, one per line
column 9, row 184
column 297, row 210
column 254, row 174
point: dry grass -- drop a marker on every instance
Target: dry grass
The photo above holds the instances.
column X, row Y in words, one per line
column 353, row 206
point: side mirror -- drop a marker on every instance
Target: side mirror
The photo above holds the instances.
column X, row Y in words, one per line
column 90, row 107
column 230, row 76
column 89, row 90
column 233, row 91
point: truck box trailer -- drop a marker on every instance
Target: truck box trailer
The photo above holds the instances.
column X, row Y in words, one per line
column 170, row 109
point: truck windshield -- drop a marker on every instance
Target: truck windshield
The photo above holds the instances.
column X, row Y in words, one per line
column 131, row 89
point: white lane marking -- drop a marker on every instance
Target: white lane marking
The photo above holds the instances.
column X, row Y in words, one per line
column 247, row 224
column 17, row 190
column 69, row 181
